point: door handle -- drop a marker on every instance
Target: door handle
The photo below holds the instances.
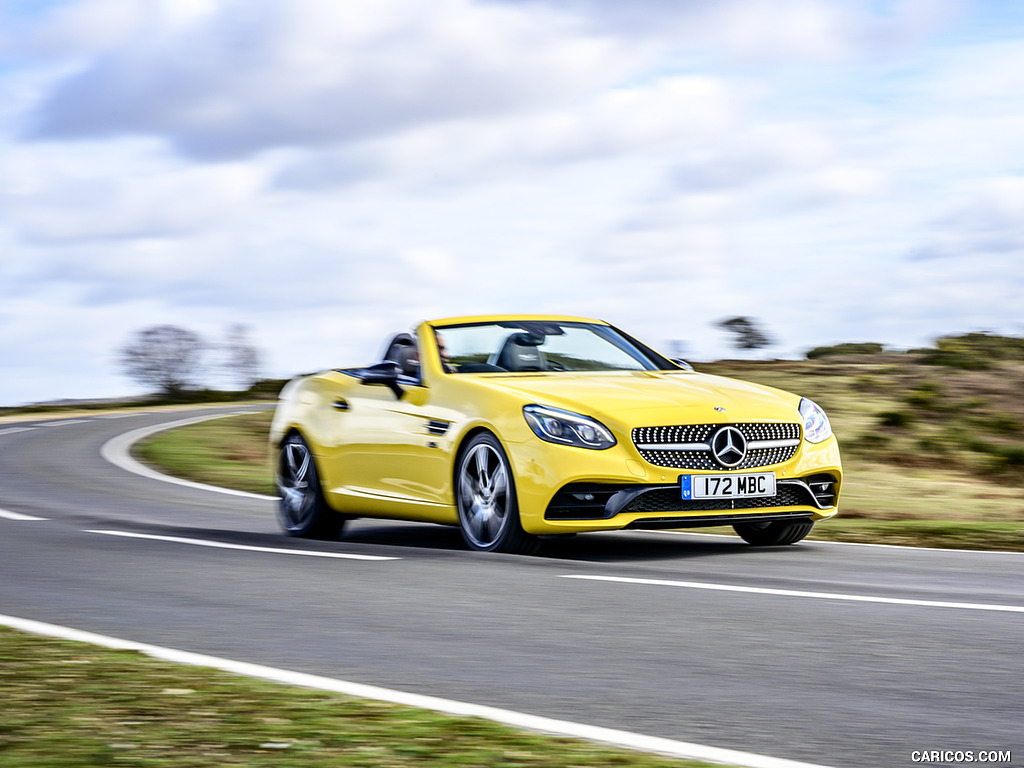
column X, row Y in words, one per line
column 340, row 405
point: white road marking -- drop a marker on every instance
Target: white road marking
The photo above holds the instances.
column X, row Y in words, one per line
column 116, row 451
column 799, row 593
column 901, row 547
column 12, row 430
column 64, row 423
column 121, row 415
column 17, row 516
column 243, row 547
column 636, row 741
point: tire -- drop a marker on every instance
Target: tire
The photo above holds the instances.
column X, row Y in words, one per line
column 772, row 533
column 302, row 510
column 485, row 495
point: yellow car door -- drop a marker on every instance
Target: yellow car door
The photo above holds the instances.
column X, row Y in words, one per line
column 393, row 454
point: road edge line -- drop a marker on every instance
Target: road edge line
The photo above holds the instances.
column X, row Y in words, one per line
column 117, row 450
column 799, row 593
column 6, row 514
column 537, row 723
column 242, row 547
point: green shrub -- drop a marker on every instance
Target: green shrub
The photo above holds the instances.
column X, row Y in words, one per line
column 926, row 396
column 934, row 444
column 870, row 441
column 1000, row 423
column 973, row 351
column 972, row 403
column 871, row 383
column 847, row 348
column 1006, row 459
column 978, row 445
column 898, row 419
column 267, row 388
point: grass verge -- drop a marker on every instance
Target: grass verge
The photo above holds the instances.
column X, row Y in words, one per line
column 940, row 534
column 73, row 705
column 230, row 452
column 936, row 534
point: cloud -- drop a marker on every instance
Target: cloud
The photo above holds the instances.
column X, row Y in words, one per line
column 252, row 75
column 991, row 223
column 766, row 30
column 44, row 29
column 642, row 120
column 760, row 30
column 756, row 152
column 233, row 79
column 55, row 195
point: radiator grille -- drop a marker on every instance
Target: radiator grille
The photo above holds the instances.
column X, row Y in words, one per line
column 698, row 439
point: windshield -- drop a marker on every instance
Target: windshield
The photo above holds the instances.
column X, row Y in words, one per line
column 540, row 346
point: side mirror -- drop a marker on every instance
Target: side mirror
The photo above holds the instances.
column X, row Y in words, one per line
column 681, row 363
column 385, row 373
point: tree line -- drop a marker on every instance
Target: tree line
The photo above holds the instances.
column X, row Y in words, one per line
column 172, row 360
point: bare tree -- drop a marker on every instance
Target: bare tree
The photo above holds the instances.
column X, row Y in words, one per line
column 241, row 358
column 747, row 334
column 165, row 357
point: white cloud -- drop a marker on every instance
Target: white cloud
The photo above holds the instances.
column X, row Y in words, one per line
column 770, row 31
column 252, row 76
column 77, row 193
column 821, row 31
column 328, row 173
column 990, row 223
column 654, row 119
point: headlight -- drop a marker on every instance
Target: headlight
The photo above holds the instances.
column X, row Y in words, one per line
column 567, row 428
column 817, row 428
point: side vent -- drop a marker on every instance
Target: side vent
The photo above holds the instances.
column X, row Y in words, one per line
column 437, row 427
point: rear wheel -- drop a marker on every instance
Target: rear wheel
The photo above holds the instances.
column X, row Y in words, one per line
column 773, row 533
column 486, row 498
column 302, row 510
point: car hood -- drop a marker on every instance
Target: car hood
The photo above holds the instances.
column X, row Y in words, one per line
column 653, row 397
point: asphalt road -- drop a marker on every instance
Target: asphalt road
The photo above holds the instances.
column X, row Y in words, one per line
column 753, row 663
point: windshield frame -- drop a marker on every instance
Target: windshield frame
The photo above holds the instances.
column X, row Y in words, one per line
column 645, row 357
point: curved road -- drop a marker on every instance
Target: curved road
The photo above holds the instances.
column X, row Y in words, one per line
column 839, row 655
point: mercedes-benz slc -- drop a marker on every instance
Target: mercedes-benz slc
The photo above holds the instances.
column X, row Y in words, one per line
column 520, row 428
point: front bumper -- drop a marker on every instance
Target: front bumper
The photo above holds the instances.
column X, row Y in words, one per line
column 567, row 490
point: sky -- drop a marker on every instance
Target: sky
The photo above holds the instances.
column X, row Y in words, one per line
column 328, row 173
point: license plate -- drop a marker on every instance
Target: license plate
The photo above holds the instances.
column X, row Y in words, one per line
column 748, row 486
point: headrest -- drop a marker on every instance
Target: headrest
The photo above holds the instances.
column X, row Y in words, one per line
column 408, row 359
column 520, row 353
column 526, row 339
column 402, row 350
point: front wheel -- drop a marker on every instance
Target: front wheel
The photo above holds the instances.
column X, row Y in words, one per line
column 302, row 510
column 772, row 533
column 485, row 494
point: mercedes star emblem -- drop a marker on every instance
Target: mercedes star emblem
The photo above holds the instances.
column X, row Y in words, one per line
column 729, row 447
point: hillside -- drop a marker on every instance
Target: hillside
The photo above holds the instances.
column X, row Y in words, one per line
column 934, row 434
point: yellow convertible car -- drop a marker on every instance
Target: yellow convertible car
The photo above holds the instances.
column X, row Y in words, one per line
column 517, row 428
